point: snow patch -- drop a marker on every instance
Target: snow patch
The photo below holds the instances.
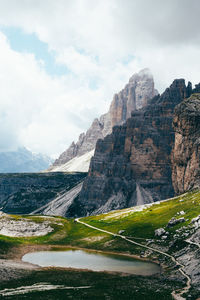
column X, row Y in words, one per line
column 76, row 164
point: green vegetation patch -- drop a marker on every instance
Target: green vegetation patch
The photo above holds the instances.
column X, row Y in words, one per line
column 142, row 224
column 138, row 225
column 102, row 286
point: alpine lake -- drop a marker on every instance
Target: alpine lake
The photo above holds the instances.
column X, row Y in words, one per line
column 91, row 260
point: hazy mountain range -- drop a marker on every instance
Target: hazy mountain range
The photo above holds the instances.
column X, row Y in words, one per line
column 23, row 160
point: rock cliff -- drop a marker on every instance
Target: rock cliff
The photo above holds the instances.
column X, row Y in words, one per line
column 186, row 152
column 132, row 165
column 136, row 94
column 24, row 193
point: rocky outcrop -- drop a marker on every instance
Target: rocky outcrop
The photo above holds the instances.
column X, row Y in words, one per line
column 186, row 152
column 133, row 165
column 23, row 228
column 160, row 231
column 135, row 95
column 175, row 221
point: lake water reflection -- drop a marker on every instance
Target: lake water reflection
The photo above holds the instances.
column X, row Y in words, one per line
column 81, row 259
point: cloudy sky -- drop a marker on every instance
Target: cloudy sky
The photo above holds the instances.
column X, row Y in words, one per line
column 61, row 61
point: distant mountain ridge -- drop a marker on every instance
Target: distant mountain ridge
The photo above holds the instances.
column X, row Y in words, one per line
column 23, row 160
column 135, row 95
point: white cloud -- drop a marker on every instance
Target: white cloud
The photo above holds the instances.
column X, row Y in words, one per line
column 44, row 113
column 93, row 39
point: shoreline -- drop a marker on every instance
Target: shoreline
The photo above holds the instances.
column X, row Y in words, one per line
column 16, row 254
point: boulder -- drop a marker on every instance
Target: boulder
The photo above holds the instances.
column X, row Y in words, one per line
column 159, row 231
column 175, row 221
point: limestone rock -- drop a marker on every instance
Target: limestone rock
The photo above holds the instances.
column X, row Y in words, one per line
column 135, row 95
column 186, row 151
column 175, row 221
column 23, row 228
column 132, row 166
column 24, row 193
column 195, row 219
column 159, row 231
column 181, row 212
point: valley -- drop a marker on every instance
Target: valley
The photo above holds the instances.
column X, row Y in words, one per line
column 133, row 232
column 116, row 209
column 99, row 150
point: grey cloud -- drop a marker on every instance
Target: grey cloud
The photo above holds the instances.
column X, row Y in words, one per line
column 160, row 34
column 138, row 21
column 168, row 22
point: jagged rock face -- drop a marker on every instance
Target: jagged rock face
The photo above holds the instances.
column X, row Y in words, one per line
column 133, row 165
column 186, row 152
column 59, row 205
column 85, row 144
column 135, row 95
column 24, row 193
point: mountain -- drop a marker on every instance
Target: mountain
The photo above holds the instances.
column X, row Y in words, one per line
column 186, row 151
column 152, row 156
column 76, row 164
column 23, row 160
column 25, row 193
column 132, row 166
column 135, row 95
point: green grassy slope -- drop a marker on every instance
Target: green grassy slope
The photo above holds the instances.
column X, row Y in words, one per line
column 138, row 225
column 142, row 224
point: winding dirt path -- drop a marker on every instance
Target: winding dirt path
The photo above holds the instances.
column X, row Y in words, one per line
column 177, row 294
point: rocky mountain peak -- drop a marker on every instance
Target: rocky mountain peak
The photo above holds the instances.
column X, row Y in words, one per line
column 132, row 166
column 136, row 94
column 144, row 73
column 177, row 90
